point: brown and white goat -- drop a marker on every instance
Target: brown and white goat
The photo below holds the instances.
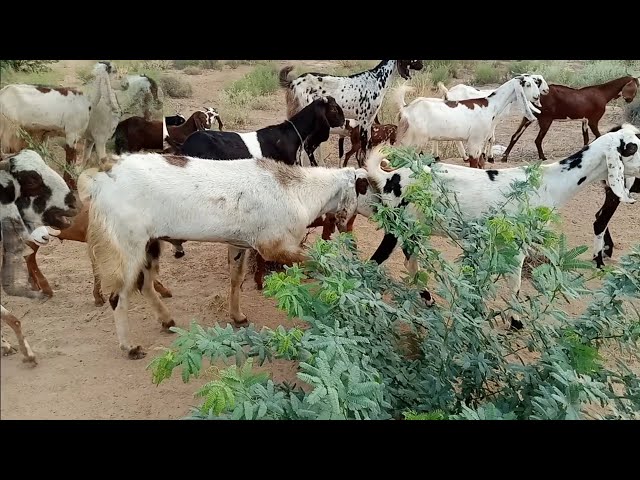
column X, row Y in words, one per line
column 32, row 195
column 379, row 134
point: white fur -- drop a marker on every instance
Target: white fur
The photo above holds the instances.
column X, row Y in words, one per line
column 250, row 139
column 432, row 119
column 60, row 115
column 474, row 192
column 240, row 203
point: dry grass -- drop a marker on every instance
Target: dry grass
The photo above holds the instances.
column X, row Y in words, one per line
column 193, row 71
column 174, row 87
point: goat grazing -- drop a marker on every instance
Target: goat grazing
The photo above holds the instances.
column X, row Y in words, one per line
column 472, row 120
column 359, row 95
column 248, row 203
column 136, row 133
column 32, row 195
column 610, row 158
column 175, row 120
column 51, row 111
column 566, row 103
column 465, row 92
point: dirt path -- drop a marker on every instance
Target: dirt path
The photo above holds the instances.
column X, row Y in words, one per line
column 82, row 373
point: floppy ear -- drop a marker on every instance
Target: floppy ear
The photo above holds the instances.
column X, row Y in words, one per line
column 615, row 177
column 198, row 121
column 526, row 104
column 347, row 205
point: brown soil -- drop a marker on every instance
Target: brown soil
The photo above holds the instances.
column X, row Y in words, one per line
column 82, row 374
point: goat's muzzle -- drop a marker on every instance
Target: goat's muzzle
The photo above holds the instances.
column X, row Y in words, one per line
column 59, row 218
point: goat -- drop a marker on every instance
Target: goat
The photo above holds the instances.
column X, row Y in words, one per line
column 610, row 158
column 51, row 111
column 175, row 120
column 360, row 95
column 307, row 128
column 345, row 132
column 566, row 103
column 32, row 195
column 465, row 92
column 77, row 232
column 136, row 133
column 140, row 90
column 281, row 142
column 603, row 243
column 468, row 120
column 379, row 134
column 248, row 203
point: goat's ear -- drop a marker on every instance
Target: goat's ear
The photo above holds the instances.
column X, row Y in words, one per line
column 362, row 185
column 615, row 176
column 199, row 124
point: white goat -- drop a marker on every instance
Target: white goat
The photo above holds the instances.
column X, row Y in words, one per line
column 136, row 96
column 465, row 92
column 51, row 111
column 472, row 121
column 260, row 204
column 610, row 157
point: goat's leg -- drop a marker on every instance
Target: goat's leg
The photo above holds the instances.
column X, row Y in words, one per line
column 490, row 144
column 88, row 150
column 237, row 259
column 7, row 349
column 341, row 148
column 516, row 284
column 461, row 150
column 411, row 264
column 261, row 268
column 160, row 310
column 544, row 124
column 585, row 132
column 119, row 301
column 328, row 226
column 354, row 149
column 98, row 299
column 516, row 136
column 593, row 125
column 10, row 262
column 161, row 289
column 70, row 158
column 37, row 280
column 15, row 325
column 101, row 151
column 603, row 243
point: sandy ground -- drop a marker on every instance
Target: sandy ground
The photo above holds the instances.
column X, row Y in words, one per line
column 82, row 374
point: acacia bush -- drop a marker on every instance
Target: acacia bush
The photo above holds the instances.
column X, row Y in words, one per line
column 372, row 350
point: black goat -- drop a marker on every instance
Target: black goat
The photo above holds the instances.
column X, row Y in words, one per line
column 601, row 225
column 308, row 128
column 175, row 120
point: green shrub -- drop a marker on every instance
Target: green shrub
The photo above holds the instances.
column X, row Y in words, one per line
column 486, row 73
column 356, row 360
column 601, row 71
column 633, row 112
column 211, row 64
column 182, row 64
column 262, row 80
column 175, row 87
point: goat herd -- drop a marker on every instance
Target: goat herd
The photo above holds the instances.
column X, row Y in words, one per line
column 267, row 198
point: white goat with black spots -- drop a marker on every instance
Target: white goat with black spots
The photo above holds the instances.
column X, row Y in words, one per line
column 610, row 157
column 359, row 95
column 248, row 203
column 472, row 120
column 465, row 92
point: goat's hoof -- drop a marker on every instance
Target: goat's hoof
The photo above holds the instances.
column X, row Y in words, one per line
column 136, row 353
column 8, row 350
column 491, row 160
column 30, row 359
column 428, row 299
column 516, row 324
column 98, row 301
column 259, row 286
column 178, row 254
column 242, row 322
column 166, row 293
column 504, row 159
column 167, row 325
column 436, row 159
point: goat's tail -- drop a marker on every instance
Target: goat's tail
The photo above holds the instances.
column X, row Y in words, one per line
column 399, row 94
column 443, row 90
column 378, row 167
column 284, row 80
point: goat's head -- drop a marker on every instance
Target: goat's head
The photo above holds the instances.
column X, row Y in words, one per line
column 106, row 66
column 527, row 95
column 201, row 120
column 630, row 90
column 332, row 111
column 405, row 66
column 541, row 83
column 623, row 158
column 40, row 194
column 212, row 114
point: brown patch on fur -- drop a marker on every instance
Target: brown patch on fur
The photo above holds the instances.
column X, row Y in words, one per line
column 278, row 251
column 470, row 103
column 285, row 175
column 62, row 90
column 176, row 160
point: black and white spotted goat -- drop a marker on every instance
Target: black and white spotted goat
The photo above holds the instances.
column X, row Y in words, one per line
column 610, row 157
column 306, row 129
column 360, row 95
column 32, row 195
